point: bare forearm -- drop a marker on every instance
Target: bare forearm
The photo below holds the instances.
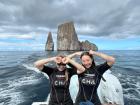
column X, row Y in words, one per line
column 110, row 59
column 71, row 55
column 79, row 67
column 40, row 63
column 74, row 54
column 104, row 56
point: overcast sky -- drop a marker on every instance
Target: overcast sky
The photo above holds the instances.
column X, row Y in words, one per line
column 110, row 24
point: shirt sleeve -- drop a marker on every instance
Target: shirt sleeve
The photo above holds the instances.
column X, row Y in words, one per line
column 102, row 68
column 48, row 70
column 72, row 71
column 72, row 67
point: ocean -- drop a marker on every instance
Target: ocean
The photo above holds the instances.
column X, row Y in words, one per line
column 22, row 84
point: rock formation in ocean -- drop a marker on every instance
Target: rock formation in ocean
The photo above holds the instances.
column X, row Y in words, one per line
column 67, row 38
column 49, row 44
column 86, row 45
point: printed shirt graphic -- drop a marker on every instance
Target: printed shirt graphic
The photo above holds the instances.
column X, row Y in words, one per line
column 58, row 82
column 88, row 79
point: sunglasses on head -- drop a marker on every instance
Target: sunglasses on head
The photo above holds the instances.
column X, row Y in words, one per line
column 59, row 64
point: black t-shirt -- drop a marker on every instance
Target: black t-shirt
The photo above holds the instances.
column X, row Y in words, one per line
column 59, row 86
column 89, row 81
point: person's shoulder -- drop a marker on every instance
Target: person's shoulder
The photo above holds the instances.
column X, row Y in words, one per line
column 102, row 64
column 47, row 68
column 69, row 70
column 101, row 68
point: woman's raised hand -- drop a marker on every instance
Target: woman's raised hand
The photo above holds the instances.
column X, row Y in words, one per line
column 65, row 60
column 91, row 52
column 58, row 59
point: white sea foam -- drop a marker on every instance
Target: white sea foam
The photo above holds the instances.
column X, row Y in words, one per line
column 25, row 80
column 132, row 85
column 2, row 103
column 131, row 97
column 11, row 92
column 31, row 67
column 11, row 89
column 138, row 84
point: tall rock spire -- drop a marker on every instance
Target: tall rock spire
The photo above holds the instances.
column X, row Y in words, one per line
column 49, row 44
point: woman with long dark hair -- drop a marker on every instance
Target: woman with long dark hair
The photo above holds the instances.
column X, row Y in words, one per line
column 91, row 75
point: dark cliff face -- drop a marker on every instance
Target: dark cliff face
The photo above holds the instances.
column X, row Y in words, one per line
column 86, row 45
column 67, row 38
column 49, row 44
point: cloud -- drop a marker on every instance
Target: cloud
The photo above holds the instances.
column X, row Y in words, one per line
column 21, row 46
column 101, row 18
column 16, row 36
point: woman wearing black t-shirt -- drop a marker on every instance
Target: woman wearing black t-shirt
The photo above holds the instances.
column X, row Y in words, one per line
column 59, row 79
column 90, row 78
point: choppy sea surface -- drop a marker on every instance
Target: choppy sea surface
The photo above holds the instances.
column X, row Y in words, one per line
column 22, row 84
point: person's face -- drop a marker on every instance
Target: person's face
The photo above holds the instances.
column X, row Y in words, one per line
column 86, row 61
column 61, row 65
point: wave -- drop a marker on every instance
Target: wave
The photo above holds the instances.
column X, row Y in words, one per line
column 11, row 92
column 31, row 67
column 131, row 87
column 17, row 72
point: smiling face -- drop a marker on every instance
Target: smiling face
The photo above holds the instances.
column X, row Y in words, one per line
column 86, row 61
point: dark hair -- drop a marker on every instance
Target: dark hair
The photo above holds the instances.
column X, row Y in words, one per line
column 86, row 53
column 90, row 55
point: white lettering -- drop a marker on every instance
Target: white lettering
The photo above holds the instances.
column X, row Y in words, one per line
column 87, row 81
column 60, row 76
column 59, row 83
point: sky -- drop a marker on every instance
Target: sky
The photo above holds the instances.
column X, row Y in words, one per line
column 110, row 24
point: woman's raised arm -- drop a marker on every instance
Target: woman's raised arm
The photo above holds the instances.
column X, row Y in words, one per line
column 40, row 63
column 110, row 60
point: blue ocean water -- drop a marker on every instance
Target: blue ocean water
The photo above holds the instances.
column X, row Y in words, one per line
column 22, row 84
